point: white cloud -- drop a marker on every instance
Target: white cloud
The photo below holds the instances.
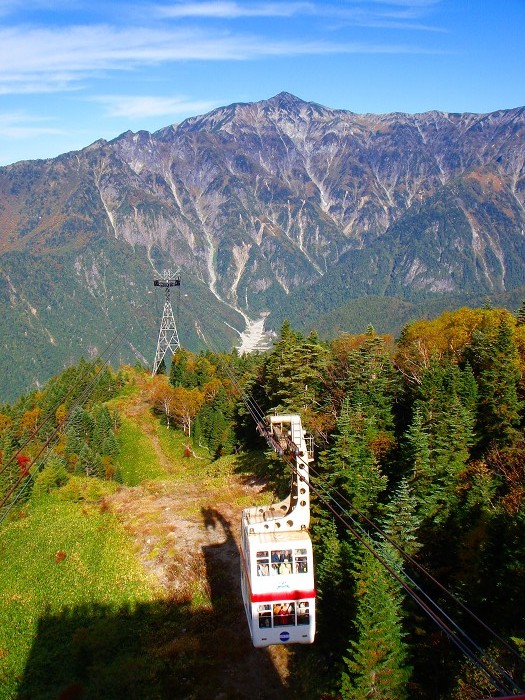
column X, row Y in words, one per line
column 18, row 125
column 133, row 106
column 39, row 59
column 54, row 58
column 12, row 7
column 394, row 14
column 230, row 10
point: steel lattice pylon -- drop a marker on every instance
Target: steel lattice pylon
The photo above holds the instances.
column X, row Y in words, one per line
column 168, row 336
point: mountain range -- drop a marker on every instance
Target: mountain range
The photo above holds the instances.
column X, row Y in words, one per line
column 283, row 208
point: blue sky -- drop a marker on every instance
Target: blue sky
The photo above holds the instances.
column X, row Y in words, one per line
column 74, row 71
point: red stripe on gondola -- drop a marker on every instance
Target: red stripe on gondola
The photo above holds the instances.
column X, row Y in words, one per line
column 281, row 595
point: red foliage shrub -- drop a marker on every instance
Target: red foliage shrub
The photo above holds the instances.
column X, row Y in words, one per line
column 23, row 462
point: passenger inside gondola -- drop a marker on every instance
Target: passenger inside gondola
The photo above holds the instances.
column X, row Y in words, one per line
column 285, row 567
column 300, row 561
column 303, row 613
column 283, row 614
column 281, row 561
column 265, row 616
column 263, row 566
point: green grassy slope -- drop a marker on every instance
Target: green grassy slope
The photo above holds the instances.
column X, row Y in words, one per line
column 61, row 555
column 117, row 591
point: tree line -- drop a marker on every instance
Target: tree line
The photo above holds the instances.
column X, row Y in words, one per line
column 66, row 425
column 422, row 435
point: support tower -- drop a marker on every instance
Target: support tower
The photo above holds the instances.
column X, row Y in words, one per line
column 168, row 336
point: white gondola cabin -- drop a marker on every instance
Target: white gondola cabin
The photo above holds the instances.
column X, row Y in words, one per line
column 277, row 570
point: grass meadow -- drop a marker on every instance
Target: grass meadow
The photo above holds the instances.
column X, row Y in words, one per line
column 80, row 617
column 60, row 555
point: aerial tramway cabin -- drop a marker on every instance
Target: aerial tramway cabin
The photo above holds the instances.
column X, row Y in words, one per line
column 277, row 569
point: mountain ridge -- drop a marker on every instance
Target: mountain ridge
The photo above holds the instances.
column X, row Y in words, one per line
column 256, row 202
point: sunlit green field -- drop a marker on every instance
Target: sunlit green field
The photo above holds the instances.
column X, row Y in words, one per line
column 60, row 555
column 137, row 460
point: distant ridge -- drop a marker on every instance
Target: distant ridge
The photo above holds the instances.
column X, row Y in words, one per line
column 256, row 203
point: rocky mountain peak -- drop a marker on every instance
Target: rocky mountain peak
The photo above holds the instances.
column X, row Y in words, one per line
column 257, row 201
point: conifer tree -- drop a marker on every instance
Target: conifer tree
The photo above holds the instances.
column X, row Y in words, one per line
column 498, row 406
column 311, row 369
column 378, row 657
column 330, row 577
column 89, row 461
column 438, row 441
column 179, row 368
column 110, row 445
column 283, row 377
column 350, row 463
column 214, row 425
column 520, row 316
column 367, row 377
column 401, row 521
column 377, row 660
column 102, row 426
column 9, row 470
column 417, row 447
column 73, row 442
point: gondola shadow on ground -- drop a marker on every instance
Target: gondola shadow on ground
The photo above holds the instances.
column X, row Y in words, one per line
column 166, row 649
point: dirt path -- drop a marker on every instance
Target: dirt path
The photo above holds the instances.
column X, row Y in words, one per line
column 186, row 533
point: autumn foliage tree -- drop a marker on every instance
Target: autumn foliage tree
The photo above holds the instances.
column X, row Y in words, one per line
column 185, row 405
column 162, row 397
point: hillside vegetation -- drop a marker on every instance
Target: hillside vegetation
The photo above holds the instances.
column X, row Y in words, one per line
column 128, row 588
column 119, row 552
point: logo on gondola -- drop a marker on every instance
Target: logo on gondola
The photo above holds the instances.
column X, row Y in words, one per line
column 284, row 636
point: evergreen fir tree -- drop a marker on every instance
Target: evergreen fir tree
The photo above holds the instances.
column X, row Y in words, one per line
column 401, row 521
column 81, row 423
column 499, row 407
column 283, row 376
column 215, row 424
column 438, row 441
column 88, row 462
column 179, row 368
column 377, row 660
column 110, row 445
column 9, row 470
column 350, row 464
column 102, row 426
column 73, row 442
column 197, row 436
column 520, row 316
column 367, row 377
column 417, row 447
column 331, row 585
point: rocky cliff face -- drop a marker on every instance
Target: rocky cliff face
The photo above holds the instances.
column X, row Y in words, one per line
column 255, row 201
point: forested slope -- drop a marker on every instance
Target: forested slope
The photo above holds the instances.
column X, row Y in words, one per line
column 421, row 438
